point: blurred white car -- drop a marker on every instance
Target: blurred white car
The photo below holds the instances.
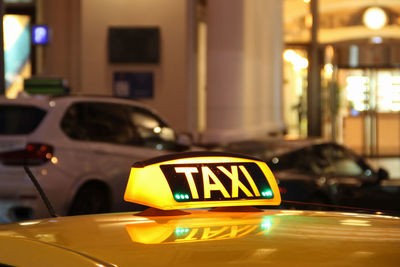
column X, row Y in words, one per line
column 79, row 148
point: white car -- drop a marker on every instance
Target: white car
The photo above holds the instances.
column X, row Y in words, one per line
column 79, row 148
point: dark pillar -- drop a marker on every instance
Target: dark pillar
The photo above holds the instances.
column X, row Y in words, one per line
column 314, row 78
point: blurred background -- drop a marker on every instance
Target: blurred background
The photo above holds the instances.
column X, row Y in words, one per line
column 325, row 68
column 222, row 71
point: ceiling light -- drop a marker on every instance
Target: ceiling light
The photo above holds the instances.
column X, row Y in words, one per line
column 375, row 18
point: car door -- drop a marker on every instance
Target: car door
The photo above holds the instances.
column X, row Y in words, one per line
column 106, row 145
column 295, row 176
column 353, row 182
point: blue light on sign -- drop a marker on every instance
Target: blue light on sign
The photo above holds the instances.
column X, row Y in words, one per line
column 40, row 34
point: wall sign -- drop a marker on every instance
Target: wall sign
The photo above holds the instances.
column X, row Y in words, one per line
column 40, row 34
column 133, row 84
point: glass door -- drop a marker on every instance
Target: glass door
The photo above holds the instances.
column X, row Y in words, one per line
column 369, row 111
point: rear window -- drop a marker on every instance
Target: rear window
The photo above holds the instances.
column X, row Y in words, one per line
column 17, row 119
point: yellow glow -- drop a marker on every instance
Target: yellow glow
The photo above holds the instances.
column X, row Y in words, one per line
column 355, row 222
column 18, row 85
column 148, row 185
column 375, row 18
column 197, row 230
column 236, row 183
column 28, row 223
column 289, row 54
column 308, row 20
column 250, row 180
column 328, row 68
column 54, row 160
column 356, row 89
column 157, row 129
column 13, row 26
column 297, row 60
column 207, row 174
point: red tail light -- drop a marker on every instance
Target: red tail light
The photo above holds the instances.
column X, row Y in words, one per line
column 33, row 154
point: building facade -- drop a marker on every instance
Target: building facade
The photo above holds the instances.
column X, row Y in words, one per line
column 228, row 69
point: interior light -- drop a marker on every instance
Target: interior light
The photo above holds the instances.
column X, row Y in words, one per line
column 289, row 54
column 376, row 40
column 375, row 18
column 157, row 129
column 308, row 20
column 328, row 68
column 297, row 60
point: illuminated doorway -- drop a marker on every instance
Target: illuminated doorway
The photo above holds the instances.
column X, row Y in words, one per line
column 368, row 114
column 295, row 71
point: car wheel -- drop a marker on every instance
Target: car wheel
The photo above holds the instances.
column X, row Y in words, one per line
column 91, row 198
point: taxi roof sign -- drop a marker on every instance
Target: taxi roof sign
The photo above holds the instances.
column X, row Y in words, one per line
column 202, row 180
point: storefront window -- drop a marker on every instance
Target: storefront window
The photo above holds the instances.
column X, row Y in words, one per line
column 370, row 113
column 294, row 92
column 297, row 21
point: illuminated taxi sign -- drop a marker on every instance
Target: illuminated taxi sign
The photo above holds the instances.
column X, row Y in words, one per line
column 202, row 179
column 216, row 181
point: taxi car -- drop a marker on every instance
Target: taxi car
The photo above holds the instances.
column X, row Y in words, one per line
column 202, row 212
column 80, row 149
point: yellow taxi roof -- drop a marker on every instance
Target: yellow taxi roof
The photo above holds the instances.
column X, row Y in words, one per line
column 205, row 238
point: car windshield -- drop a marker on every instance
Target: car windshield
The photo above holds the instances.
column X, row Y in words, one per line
column 18, row 119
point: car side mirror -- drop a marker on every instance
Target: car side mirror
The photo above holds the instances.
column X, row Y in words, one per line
column 382, row 174
column 184, row 139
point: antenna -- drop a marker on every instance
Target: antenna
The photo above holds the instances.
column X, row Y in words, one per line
column 41, row 192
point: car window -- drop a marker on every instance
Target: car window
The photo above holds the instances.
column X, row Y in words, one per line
column 297, row 160
column 332, row 159
column 99, row 122
column 18, row 119
column 152, row 131
column 73, row 122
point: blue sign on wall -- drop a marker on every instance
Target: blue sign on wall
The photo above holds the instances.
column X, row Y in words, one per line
column 40, row 34
column 133, row 84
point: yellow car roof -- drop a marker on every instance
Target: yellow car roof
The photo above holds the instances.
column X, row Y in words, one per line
column 203, row 237
column 233, row 233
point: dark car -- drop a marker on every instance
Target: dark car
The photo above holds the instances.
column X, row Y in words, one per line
column 324, row 173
